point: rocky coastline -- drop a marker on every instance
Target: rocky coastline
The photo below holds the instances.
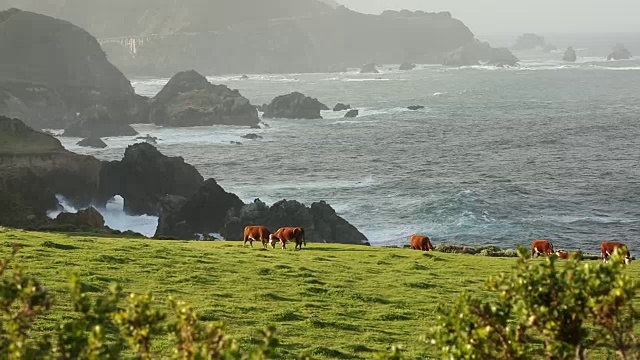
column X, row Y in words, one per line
column 151, row 183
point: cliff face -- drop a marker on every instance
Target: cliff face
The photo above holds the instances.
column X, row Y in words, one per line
column 115, row 18
column 250, row 36
column 304, row 44
column 50, row 70
column 34, row 167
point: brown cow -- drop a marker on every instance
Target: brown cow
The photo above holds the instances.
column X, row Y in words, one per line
column 285, row 234
column 562, row 254
column 419, row 242
column 608, row 247
column 255, row 233
column 541, row 247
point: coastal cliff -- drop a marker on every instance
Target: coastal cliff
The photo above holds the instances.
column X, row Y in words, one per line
column 50, row 70
column 35, row 168
column 269, row 36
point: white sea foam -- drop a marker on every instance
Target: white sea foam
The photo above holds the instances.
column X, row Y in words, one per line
column 115, row 217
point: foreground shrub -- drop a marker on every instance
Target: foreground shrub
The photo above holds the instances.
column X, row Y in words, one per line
column 102, row 326
column 543, row 310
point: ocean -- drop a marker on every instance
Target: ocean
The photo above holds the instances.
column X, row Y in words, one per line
column 498, row 156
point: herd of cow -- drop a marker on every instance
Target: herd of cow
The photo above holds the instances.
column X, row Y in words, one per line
column 282, row 235
column 418, row 242
column 538, row 247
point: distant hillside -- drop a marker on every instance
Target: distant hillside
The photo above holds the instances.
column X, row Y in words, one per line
column 50, row 70
column 108, row 18
column 256, row 36
column 331, row 3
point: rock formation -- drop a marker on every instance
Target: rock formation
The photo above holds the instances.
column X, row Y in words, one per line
column 96, row 122
column 94, row 142
column 145, row 176
column 341, row 107
column 202, row 213
column 57, row 71
column 415, row 107
column 352, row 113
column 529, row 42
column 294, row 106
column 369, row 68
column 34, row 167
column 189, row 99
column 320, row 221
column 619, row 53
column 480, row 52
column 570, row 55
column 252, row 136
column 88, row 218
column 406, row 66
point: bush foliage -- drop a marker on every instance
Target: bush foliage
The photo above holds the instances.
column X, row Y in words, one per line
column 545, row 310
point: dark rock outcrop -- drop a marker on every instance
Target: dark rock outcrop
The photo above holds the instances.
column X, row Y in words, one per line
column 25, row 198
column 88, row 218
column 480, row 52
column 294, row 106
column 619, row 53
column 34, row 167
column 145, row 176
column 202, row 213
column 352, row 113
column 341, row 107
column 252, row 136
column 94, row 142
column 528, row 42
column 406, row 66
column 56, row 71
column 320, row 221
column 189, row 99
column 369, row 68
column 570, row 55
column 96, row 122
column 415, row 107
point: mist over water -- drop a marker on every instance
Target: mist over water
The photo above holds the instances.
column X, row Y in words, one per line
column 498, row 156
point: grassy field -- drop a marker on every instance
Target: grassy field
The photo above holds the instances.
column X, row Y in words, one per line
column 332, row 301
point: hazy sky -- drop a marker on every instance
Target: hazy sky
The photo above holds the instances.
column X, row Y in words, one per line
column 490, row 17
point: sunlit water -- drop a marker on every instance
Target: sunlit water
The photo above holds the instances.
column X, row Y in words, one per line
column 498, row 156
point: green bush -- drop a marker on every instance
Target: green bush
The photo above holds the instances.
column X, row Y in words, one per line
column 544, row 310
column 102, row 325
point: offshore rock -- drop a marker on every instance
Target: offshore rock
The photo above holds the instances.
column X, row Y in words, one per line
column 189, row 99
column 144, row 177
column 96, row 122
column 294, row 106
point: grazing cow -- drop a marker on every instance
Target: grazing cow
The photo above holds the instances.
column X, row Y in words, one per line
column 541, row 247
column 285, row 234
column 562, row 254
column 608, row 247
column 419, row 242
column 256, row 233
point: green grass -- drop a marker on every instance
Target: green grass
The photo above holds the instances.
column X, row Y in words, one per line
column 331, row 301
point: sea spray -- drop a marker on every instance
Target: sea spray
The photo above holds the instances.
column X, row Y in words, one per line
column 115, row 217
